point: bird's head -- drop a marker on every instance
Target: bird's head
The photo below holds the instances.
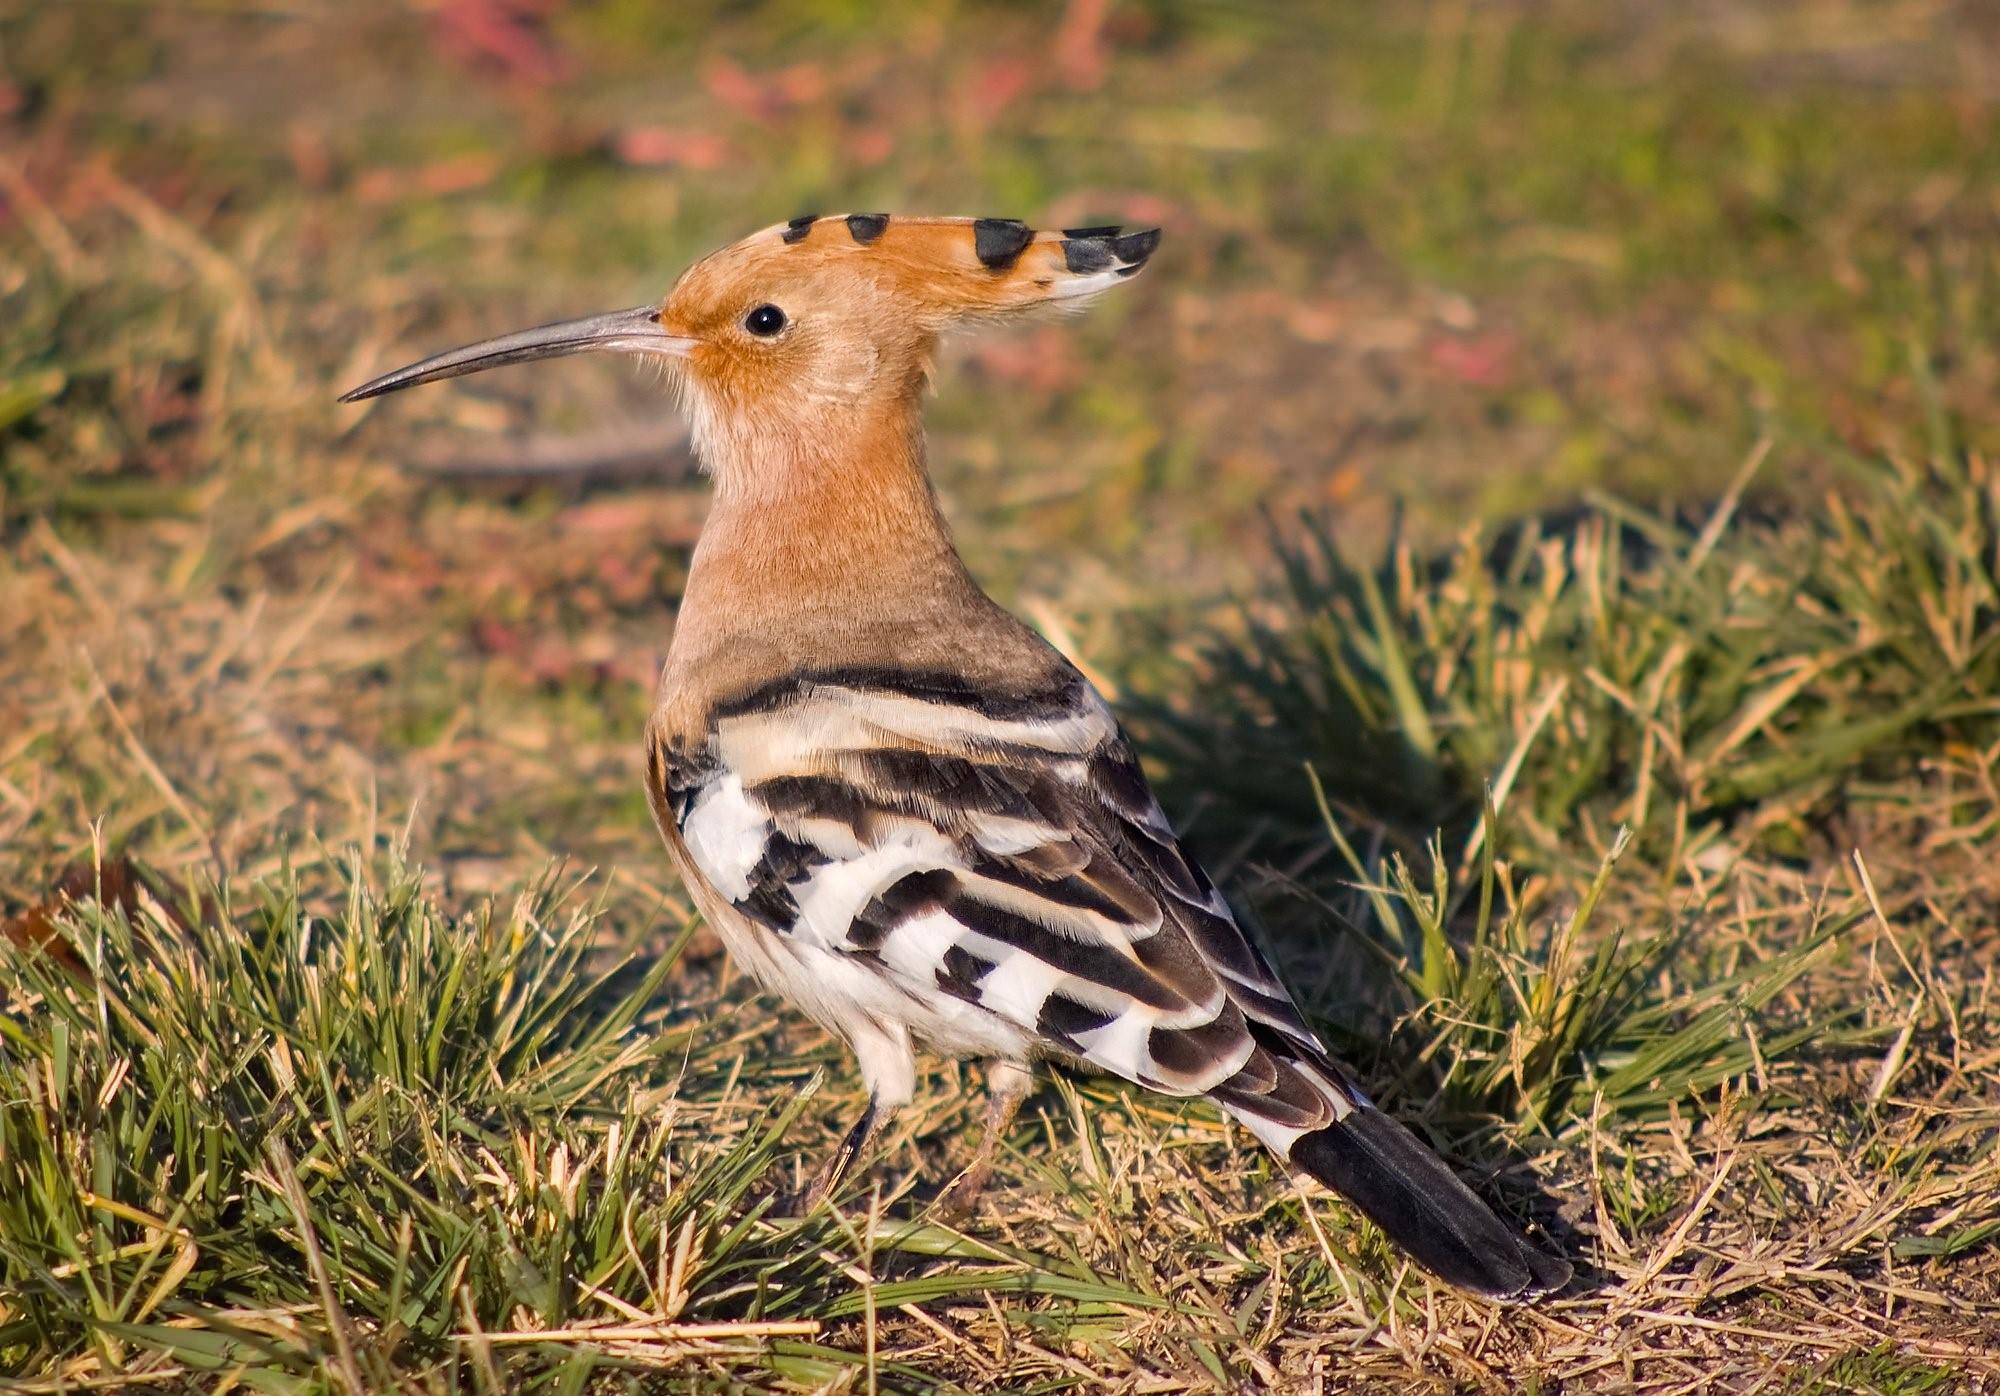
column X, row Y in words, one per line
column 775, row 339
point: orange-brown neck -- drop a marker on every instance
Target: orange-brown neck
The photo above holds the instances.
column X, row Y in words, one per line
column 827, row 553
column 845, row 510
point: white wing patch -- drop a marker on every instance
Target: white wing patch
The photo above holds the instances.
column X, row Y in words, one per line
column 916, row 949
column 726, row 832
column 1019, row 984
column 1005, row 837
column 835, row 896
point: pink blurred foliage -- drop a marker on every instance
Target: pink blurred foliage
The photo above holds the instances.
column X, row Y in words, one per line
column 508, row 37
column 871, row 145
column 1079, row 44
column 1484, row 360
column 762, row 97
column 1129, row 207
column 998, row 82
column 682, row 147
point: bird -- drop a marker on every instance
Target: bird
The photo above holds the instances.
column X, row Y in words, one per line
column 900, row 807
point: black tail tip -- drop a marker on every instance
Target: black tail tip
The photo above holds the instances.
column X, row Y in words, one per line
column 1404, row 1188
column 1552, row 1273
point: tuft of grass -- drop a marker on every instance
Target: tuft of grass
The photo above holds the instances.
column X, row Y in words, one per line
column 387, row 1145
column 1547, row 1021
column 1876, row 1371
column 1711, row 688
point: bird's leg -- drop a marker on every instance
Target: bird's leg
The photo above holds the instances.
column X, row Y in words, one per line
column 889, row 1070
column 835, row 1168
column 1007, row 1085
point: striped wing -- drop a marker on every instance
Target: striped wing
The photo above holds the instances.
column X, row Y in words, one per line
column 1003, row 855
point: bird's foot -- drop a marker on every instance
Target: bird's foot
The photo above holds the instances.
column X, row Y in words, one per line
column 1008, row 1084
column 961, row 1198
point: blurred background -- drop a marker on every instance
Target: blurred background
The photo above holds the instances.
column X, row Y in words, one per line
column 1584, row 411
column 1450, row 260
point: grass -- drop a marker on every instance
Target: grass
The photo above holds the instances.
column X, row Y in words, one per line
column 426, row 1145
column 1708, row 687
column 1638, row 846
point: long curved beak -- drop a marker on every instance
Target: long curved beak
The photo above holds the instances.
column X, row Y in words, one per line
column 634, row 331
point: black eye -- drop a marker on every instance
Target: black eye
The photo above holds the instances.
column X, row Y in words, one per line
column 765, row 320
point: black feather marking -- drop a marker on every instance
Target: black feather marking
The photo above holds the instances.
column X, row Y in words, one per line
column 666, row 782
column 1407, row 1190
column 1086, row 254
column 1165, row 862
column 1195, row 871
column 1289, row 1101
column 1136, row 247
column 1272, row 1004
column 1275, row 1022
column 864, row 228
column 797, row 228
column 999, row 242
column 1062, row 1020
column 1101, row 231
column 686, row 776
column 1191, row 1053
column 1091, row 960
column 961, row 973
column 790, row 859
column 1064, row 697
column 1175, row 962
column 1221, row 940
column 1282, row 1043
column 786, row 861
column 770, row 903
column 908, row 897
column 1258, row 1075
column 921, row 891
column 812, row 797
column 916, row 781
column 1091, row 891
column 872, row 925
column 1115, row 773
column 687, row 772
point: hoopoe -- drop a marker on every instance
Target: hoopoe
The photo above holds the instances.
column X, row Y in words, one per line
column 900, row 807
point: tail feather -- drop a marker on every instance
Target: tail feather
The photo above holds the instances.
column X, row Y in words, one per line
column 1407, row 1190
column 1303, row 1107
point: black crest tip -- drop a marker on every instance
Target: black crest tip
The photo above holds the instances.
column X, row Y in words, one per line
column 1136, row 247
column 1086, row 254
column 999, row 242
column 864, row 228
